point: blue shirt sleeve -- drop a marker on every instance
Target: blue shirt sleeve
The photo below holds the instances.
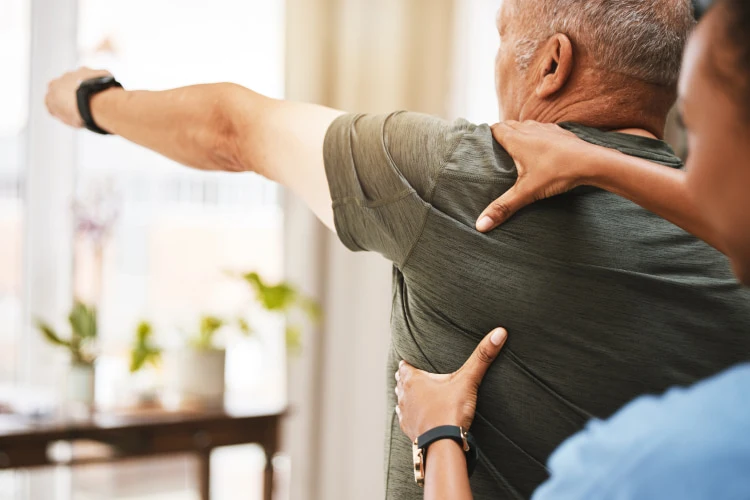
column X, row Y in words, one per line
column 688, row 444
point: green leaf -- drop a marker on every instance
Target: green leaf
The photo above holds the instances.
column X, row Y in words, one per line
column 209, row 325
column 312, row 309
column 141, row 357
column 50, row 334
column 144, row 351
column 281, row 299
column 143, row 332
column 83, row 321
column 293, row 339
column 244, row 327
column 276, row 298
column 137, row 359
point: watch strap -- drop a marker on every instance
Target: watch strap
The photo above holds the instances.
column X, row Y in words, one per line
column 454, row 433
column 88, row 89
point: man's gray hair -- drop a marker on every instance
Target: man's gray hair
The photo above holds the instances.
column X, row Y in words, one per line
column 641, row 39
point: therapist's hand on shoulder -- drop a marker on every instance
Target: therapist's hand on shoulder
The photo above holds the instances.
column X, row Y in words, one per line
column 427, row 400
column 550, row 161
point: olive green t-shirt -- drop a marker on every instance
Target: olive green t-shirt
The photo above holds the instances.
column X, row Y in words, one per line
column 603, row 300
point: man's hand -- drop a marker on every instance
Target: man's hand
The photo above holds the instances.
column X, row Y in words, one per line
column 426, row 400
column 550, row 161
column 61, row 98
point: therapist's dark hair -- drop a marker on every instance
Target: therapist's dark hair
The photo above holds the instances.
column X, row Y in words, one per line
column 732, row 61
column 700, row 7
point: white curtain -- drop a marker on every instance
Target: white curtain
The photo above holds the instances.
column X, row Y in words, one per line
column 362, row 56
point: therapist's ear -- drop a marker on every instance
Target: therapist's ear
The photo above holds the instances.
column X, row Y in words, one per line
column 555, row 66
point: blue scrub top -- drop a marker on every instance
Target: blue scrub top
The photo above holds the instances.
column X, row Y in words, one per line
column 687, row 444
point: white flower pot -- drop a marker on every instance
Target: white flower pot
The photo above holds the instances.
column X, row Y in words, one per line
column 199, row 376
column 81, row 385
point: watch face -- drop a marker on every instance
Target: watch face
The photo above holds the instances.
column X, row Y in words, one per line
column 100, row 80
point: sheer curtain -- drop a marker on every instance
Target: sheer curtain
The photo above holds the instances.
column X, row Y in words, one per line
column 361, row 56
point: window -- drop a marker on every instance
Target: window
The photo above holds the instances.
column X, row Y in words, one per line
column 179, row 231
column 14, row 59
column 477, row 43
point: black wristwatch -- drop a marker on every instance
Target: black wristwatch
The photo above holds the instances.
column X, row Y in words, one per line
column 88, row 89
column 452, row 432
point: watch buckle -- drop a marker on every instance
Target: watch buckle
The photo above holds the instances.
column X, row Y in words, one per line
column 418, row 459
column 465, row 439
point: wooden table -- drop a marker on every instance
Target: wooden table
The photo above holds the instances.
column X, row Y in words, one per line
column 25, row 442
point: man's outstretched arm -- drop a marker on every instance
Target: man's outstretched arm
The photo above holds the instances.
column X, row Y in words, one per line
column 222, row 127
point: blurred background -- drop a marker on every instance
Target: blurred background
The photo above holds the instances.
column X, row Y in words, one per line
column 153, row 244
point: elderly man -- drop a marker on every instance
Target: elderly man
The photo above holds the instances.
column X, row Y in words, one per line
column 576, row 279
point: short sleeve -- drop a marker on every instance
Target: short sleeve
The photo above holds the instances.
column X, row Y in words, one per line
column 381, row 171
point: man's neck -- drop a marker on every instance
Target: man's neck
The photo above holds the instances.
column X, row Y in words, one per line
column 637, row 131
column 604, row 114
column 637, row 108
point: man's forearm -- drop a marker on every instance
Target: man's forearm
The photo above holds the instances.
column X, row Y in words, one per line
column 191, row 125
column 219, row 126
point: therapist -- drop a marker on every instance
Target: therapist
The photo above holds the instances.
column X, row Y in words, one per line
column 690, row 443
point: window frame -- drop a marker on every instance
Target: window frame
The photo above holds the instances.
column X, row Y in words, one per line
column 49, row 182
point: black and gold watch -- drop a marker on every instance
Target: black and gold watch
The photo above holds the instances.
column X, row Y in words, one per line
column 88, row 89
column 452, row 432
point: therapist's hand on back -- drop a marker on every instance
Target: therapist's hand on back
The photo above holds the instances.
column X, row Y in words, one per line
column 550, row 161
column 427, row 400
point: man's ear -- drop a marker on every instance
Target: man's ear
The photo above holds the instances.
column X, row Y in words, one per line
column 556, row 66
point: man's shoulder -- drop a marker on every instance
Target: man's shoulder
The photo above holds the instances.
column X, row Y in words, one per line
column 383, row 171
column 469, row 150
column 469, row 142
column 475, row 154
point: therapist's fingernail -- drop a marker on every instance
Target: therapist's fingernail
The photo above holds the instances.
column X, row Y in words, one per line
column 485, row 223
column 498, row 336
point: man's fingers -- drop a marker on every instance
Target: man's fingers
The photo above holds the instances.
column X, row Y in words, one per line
column 503, row 208
column 484, row 355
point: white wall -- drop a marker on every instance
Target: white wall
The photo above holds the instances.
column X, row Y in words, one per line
column 362, row 56
column 358, row 304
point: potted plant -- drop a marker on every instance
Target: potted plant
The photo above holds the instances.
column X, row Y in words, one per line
column 144, row 354
column 81, row 346
column 285, row 300
column 200, row 367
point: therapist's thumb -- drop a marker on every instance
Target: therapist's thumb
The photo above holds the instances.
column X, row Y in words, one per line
column 484, row 355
